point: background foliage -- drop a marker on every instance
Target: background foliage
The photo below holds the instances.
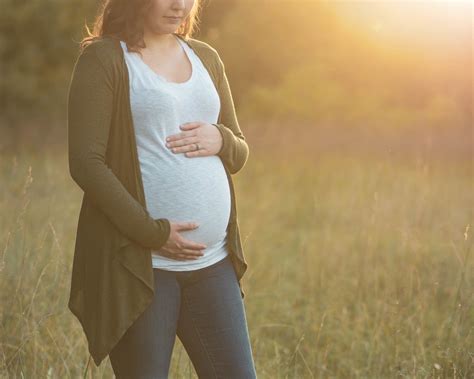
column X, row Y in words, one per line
column 355, row 206
column 312, row 66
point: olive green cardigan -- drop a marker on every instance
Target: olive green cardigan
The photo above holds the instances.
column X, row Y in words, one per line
column 112, row 274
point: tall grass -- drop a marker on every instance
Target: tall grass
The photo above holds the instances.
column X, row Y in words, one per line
column 359, row 267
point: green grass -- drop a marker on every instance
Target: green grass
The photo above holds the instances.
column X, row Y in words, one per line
column 359, row 267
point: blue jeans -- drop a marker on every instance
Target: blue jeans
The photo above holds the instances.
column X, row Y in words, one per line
column 204, row 308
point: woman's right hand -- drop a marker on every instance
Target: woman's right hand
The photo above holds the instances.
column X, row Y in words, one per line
column 179, row 248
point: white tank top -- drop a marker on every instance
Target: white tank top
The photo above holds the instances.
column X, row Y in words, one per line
column 177, row 187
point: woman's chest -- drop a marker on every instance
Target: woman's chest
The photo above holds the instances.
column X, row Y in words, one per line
column 156, row 101
column 158, row 104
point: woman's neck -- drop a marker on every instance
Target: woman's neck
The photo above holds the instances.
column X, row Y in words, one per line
column 159, row 42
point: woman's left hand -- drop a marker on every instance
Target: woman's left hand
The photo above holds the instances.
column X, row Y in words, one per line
column 198, row 139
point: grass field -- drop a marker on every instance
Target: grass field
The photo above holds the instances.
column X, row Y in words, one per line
column 359, row 267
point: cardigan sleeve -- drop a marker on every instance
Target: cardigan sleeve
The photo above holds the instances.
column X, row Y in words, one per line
column 89, row 115
column 234, row 151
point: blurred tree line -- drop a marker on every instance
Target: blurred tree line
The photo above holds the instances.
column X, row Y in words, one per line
column 286, row 61
column 298, row 60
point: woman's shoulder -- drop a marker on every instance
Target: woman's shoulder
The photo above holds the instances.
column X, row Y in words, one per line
column 206, row 50
column 199, row 44
column 204, row 47
column 101, row 43
column 105, row 48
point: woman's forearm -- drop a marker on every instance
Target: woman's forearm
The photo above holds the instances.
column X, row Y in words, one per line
column 234, row 151
column 90, row 106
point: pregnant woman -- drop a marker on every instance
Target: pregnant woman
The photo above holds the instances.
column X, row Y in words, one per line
column 153, row 142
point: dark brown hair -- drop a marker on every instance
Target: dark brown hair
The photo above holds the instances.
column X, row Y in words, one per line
column 124, row 19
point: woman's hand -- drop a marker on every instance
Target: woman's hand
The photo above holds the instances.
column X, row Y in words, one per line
column 198, row 139
column 179, row 248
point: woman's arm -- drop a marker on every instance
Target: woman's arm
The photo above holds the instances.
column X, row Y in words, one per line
column 234, row 151
column 90, row 101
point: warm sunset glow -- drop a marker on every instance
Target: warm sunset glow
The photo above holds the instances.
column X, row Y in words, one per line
column 429, row 24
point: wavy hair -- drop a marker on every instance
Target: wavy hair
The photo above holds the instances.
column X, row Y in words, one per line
column 124, row 20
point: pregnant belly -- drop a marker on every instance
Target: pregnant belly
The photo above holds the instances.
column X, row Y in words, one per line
column 189, row 190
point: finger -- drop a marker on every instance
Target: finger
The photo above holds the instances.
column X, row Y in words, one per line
column 189, row 125
column 196, row 153
column 177, row 136
column 187, row 244
column 175, row 257
column 190, row 146
column 182, row 256
column 187, row 225
column 190, row 253
column 190, row 138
